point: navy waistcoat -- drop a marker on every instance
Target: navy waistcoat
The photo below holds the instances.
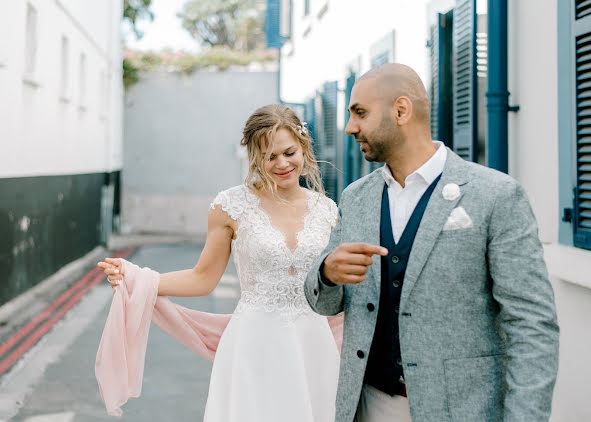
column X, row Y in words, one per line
column 384, row 367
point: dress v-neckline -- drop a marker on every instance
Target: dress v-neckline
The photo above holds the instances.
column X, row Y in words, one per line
column 281, row 233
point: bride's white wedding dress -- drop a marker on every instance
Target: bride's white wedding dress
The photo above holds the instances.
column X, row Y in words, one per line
column 277, row 360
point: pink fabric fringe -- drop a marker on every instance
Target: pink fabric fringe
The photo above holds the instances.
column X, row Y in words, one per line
column 120, row 359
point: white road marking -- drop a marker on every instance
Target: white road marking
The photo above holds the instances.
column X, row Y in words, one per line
column 225, row 292
column 230, row 280
column 54, row 417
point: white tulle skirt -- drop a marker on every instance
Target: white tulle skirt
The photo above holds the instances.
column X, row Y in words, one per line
column 270, row 369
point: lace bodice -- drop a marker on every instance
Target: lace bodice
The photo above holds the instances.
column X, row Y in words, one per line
column 271, row 275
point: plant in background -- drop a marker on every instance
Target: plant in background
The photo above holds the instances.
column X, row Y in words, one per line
column 133, row 12
column 183, row 63
column 230, row 32
column 233, row 24
column 137, row 10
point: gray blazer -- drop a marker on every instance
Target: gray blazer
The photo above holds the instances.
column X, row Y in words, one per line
column 477, row 322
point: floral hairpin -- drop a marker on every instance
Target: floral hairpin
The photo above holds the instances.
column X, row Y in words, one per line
column 302, row 129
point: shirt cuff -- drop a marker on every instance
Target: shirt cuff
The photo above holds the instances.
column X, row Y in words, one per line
column 323, row 279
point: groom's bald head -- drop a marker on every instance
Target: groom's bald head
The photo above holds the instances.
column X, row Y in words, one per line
column 394, row 80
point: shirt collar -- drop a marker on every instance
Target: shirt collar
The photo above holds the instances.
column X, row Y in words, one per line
column 428, row 171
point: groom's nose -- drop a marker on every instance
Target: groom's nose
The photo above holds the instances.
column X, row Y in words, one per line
column 352, row 127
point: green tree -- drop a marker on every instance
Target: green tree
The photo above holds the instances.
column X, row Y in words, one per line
column 234, row 24
column 136, row 10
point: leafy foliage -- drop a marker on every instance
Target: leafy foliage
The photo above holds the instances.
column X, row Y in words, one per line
column 220, row 58
column 235, row 24
column 135, row 10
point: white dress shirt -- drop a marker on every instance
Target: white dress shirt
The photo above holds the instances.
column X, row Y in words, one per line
column 404, row 200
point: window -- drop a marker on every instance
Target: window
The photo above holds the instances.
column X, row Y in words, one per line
column 82, row 83
column 30, row 42
column 65, row 67
column 306, row 7
column 582, row 142
column 104, row 94
column 574, row 121
column 285, row 22
column 465, row 119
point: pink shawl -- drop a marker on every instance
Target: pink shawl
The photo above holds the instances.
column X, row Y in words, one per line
column 119, row 366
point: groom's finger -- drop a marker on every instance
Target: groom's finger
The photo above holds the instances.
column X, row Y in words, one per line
column 357, row 259
column 366, row 249
column 355, row 269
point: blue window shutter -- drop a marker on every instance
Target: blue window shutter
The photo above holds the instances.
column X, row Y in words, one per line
column 310, row 119
column 434, row 91
column 273, row 24
column 442, row 79
column 352, row 158
column 582, row 65
column 328, row 138
column 465, row 134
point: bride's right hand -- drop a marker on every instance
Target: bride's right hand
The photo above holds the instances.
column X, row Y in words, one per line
column 112, row 268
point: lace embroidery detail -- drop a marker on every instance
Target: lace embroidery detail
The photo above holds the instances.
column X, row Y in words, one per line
column 271, row 275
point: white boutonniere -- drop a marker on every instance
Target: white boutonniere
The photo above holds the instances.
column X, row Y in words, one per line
column 451, row 191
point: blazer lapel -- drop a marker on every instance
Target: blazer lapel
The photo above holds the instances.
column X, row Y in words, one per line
column 369, row 206
column 436, row 214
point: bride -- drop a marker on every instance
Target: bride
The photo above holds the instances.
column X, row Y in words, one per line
column 276, row 360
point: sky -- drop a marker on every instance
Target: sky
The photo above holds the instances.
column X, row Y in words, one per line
column 164, row 31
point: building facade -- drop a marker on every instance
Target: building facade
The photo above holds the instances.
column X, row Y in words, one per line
column 509, row 84
column 60, row 134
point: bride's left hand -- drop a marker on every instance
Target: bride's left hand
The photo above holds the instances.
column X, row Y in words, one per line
column 112, row 268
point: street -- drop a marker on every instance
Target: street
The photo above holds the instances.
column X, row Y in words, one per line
column 55, row 382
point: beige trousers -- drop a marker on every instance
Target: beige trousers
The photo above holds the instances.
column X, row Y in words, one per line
column 377, row 406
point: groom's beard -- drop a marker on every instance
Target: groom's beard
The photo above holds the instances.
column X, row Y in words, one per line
column 382, row 140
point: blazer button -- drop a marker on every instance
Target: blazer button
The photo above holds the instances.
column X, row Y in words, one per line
column 360, row 354
column 315, row 292
column 370, row 307
column 396, row 283
column 395, row 259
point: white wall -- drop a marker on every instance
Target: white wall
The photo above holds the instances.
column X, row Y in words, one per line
column 343, row 35
column 533, row 130
column 182, row 137
column 533, row 160
column 42, row 131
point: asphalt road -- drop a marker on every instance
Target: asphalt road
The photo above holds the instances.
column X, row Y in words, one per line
column 55, row 382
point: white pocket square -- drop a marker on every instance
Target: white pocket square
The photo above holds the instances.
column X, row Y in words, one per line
column 458, row 219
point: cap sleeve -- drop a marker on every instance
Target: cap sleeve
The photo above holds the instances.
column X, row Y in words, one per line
column 232, row 201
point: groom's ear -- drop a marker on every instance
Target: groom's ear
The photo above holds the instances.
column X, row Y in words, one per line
column 402, row 110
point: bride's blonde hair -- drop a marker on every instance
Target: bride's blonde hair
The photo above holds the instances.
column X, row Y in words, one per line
column 259, row 131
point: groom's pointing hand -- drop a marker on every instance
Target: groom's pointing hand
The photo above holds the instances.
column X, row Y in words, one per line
column 349, row 262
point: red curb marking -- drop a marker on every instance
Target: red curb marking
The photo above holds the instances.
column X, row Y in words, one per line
column 46, row 312
column 74, row 294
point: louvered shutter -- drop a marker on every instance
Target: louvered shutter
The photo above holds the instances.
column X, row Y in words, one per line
column 582, row 197
column 273, row 24
column 310, row 119
column 465, row 134
column 434, row 91
column 327, row 146
column 353, row 156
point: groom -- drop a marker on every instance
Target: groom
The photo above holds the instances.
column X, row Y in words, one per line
column 437, row 265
